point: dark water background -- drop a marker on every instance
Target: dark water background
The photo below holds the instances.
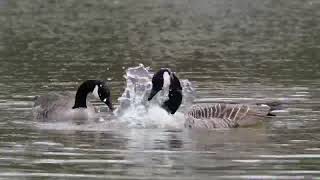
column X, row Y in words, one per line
column 233, row 50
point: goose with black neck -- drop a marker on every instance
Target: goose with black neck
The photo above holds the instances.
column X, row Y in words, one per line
column 67, row 106
column 209, row 116
column 165, row 79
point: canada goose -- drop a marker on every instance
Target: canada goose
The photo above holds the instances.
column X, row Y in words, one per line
column 167, row 80
column 222, row 115
column 218, row 115
column 70, row 106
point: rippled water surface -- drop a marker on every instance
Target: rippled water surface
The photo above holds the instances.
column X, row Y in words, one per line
column 232, row 50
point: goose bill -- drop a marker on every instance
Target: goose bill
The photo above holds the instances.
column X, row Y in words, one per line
column 152, row 94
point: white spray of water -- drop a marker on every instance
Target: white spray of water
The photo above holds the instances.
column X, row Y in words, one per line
column 136, row 111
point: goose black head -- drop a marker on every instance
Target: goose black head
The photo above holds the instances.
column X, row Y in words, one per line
column 101, row 91
column 160, row 80
column 163, row 79
column 98, row 88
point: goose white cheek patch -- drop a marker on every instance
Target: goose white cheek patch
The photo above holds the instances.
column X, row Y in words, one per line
column 105, row 100
column 166, row 80
column 95, row 92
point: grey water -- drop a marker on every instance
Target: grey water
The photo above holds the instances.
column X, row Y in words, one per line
column 231, row 50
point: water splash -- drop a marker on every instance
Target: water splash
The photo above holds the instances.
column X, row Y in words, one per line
column 134, row 110
column 137, row 111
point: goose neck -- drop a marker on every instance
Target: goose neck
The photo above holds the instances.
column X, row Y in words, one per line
column 82, row 93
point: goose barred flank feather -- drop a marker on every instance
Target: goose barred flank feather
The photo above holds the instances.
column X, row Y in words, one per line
column 221, row 115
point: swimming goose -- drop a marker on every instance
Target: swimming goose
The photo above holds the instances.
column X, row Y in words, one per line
column 164, row 79
column 223, row 115
column 217, row 115
column 67, row 106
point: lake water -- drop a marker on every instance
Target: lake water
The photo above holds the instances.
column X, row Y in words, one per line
column 232, row 50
